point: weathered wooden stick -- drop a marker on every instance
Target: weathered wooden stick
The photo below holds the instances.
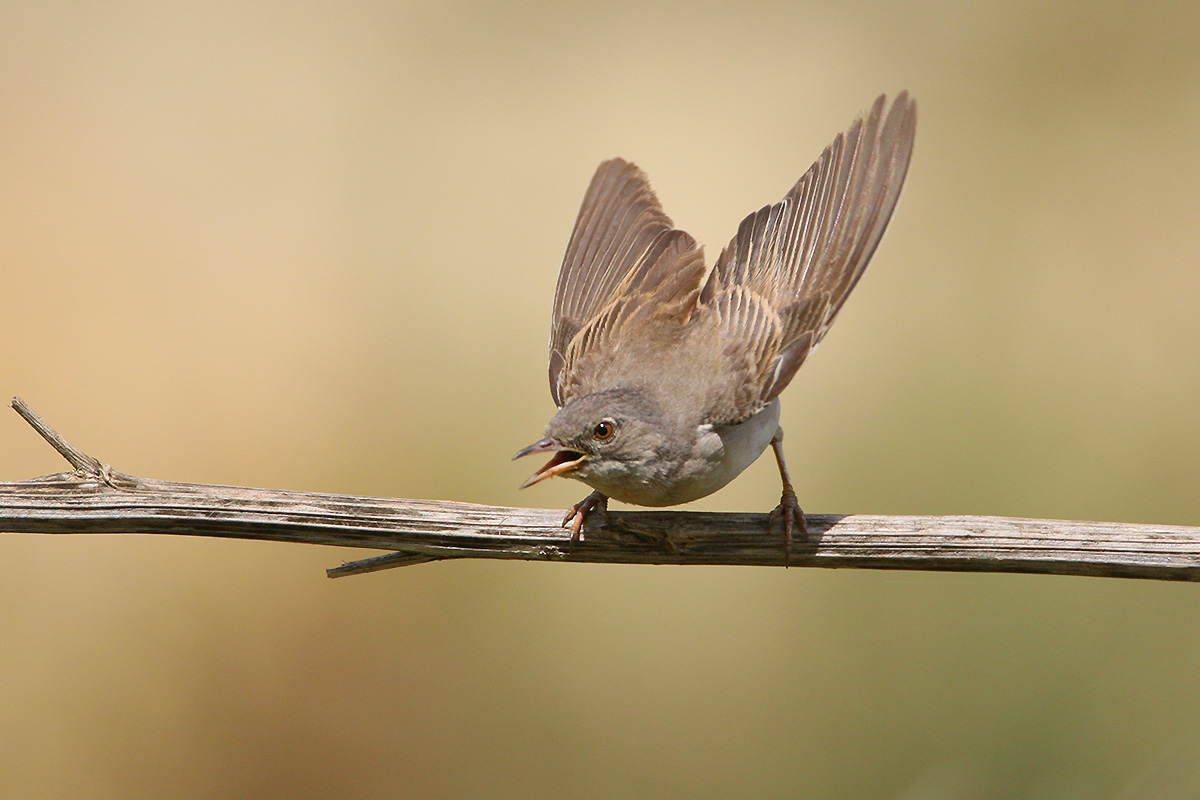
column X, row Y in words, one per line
column 96, row 499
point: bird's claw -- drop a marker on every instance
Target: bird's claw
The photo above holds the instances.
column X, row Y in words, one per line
column 793, row 518
column 577, row 513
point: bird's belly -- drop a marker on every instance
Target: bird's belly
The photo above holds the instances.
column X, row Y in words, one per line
column 720, row 454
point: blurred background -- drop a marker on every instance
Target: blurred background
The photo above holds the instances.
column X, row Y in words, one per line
column 313, row 246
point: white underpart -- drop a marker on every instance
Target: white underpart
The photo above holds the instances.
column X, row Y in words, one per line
column 740, row 446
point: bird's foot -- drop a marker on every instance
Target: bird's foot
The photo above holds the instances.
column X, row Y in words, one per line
column 594, row 502
column 790, row 513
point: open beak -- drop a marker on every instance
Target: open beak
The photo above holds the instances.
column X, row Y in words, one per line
column 564, row 461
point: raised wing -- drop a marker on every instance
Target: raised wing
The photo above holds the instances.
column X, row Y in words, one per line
column 625, row 260
column 778, row 286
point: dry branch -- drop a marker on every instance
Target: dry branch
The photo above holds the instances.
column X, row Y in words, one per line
column 96, row 499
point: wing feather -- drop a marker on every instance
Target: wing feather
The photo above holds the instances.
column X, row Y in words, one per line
column 625, row 260
column 794, row 263
column 619, row 218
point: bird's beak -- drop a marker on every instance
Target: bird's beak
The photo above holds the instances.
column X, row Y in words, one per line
column 564, row 461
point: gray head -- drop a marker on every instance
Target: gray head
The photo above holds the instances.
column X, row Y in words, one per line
column 604, row 437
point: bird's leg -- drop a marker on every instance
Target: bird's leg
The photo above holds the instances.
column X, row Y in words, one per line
column 593, row 502
column 789, row 508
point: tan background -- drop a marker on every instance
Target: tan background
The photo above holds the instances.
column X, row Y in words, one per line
column 313, row 245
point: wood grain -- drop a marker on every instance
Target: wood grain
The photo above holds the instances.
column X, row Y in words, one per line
column 97, row 499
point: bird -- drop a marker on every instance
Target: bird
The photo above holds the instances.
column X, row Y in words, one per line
column 666, row 374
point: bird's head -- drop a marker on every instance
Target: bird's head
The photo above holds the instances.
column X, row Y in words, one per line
column 602, row 438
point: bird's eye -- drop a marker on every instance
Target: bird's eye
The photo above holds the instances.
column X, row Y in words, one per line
column 604, row 429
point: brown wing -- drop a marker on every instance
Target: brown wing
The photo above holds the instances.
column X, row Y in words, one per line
column 779, row 284
column 624, row 261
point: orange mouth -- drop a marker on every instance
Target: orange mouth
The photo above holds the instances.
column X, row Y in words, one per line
column 561, row 463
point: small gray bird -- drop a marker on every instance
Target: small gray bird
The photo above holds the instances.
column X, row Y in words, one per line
column 667, row 381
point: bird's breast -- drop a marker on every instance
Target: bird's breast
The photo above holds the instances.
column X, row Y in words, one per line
column 740, row 446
